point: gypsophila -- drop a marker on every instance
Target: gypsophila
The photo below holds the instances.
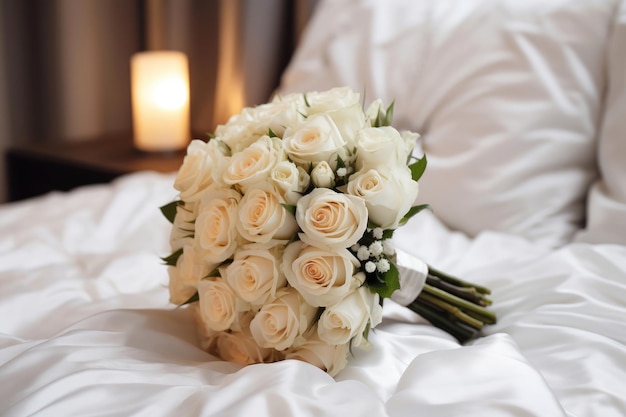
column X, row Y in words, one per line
column 363, row 253
column 383, row 265
column 388, row 247
column 376, row 248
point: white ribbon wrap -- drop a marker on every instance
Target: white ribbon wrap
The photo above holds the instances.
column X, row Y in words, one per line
column 413, row 273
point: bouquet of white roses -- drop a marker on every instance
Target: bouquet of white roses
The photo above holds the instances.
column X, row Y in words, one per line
column 281, row 237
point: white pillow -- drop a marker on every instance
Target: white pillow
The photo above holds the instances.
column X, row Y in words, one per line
column 506, row 94
column 606, row 221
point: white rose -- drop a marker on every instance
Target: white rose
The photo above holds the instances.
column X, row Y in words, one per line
column 216, row 231
column 253, row 164
column 277, row 116
column 323, row 175
column 316, row 139
column 410, row 140
column 239, row 348
column 388, row 194
column 262, row 218
column 373, row 110
column 278, row 323
column 219, row 306
column 380, row 146
column 240, row 131
column 256, row 274
column 323, row 277
column 348, row 319
column 349, row 120
column 183, row 228
column 329, row 358
column 330, row 100
column 194, row 175
column 290, row 180
column 190, row 269
column 331, row 219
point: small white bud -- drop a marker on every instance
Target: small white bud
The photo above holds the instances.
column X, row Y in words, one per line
column 363, row 253
column 383, row 265
column 376, row 248
column 388, row 248
column 370, row 267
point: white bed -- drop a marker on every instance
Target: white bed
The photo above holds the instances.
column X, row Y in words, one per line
column 86, row 328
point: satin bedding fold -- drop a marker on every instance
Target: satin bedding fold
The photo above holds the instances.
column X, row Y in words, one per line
column 86, row 328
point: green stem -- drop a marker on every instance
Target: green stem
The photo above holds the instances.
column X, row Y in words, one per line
column 480, row 312
column 456, row 281
column 466, row 293
column 460, row 332
column 453, row 310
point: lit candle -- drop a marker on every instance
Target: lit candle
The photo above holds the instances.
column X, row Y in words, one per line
column 160, row 100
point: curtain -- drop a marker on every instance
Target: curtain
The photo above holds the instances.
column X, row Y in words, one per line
column 67, row 62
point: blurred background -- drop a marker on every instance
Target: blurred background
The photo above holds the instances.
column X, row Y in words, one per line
column 65, row 64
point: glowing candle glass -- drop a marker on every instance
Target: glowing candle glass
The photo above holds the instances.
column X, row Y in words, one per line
column 160, row 100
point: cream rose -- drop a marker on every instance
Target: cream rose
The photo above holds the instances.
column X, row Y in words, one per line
column 238, row 348
column 388, row 194
column 262, row 218
column 278, row 323
column 322, row 276
column 194, row 175
column 290, row 180
column 331, row 219
column 347, row 320
column 253, row 164
column 256, row 274
column 219, row 306
column 183, row 279
column 216, row 231
column 316, row 139
column 329, row 358
column 380, row 147
column 323, row 175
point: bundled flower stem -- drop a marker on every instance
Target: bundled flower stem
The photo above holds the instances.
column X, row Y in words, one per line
column 454, row 305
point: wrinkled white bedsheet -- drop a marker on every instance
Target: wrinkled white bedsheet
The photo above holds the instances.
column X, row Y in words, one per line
column 86, row 328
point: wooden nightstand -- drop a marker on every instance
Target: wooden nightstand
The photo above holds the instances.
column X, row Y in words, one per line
column 34, row 169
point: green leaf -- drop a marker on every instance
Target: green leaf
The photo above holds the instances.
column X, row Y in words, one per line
column 340, row 162
column 413, row 211
column 271, row 134
column 388, row 284
column 291, row 209
column 169, row 210
column 192, row 299
column 417, row 168
column 389, row 114
column 306, row 100
column 388, row 233
column 173, row 258
column 366, row 331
